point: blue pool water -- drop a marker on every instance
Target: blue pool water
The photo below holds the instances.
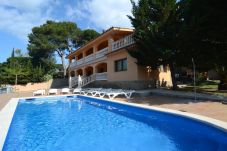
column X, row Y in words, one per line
column 86, row 124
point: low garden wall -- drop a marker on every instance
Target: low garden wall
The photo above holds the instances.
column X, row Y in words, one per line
column 53, row 83
column 135, row 85
column 32, row 86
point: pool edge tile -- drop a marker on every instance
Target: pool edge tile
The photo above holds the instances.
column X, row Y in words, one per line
column 6, row 116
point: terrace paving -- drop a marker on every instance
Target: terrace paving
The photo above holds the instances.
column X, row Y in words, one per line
column 4, row 98
column 209, row 108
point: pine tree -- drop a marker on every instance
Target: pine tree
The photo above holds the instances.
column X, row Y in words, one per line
column 156, row 26
column 13, row 54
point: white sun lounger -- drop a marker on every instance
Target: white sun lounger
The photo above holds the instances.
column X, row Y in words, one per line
column 77, row 90
column 53, row 91
column 114, row 93
column 65, row 90
column 87, row 91
column 96, row 91
column 111, row 93
column 128, row 93
column 103, row 92
column 39, row 92
column 84, row 91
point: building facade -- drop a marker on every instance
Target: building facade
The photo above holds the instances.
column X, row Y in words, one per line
column 106, row 61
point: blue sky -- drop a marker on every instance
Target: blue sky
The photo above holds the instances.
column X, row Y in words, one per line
column 19, row 16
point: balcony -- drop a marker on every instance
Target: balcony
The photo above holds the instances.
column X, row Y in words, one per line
column 90, row 58
column 121, row 43
column 79, row 62
column 73, row 64
column 101, row 53
column 124, row 42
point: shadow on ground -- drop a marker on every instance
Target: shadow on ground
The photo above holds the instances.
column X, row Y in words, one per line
column 159, row 100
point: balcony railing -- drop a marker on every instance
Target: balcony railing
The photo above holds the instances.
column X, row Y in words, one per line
column 80, row 61
column 121, row 43
column 90, row 58
column 73, row 64
column 101, row 76
column 101, row 53
column 124, row 42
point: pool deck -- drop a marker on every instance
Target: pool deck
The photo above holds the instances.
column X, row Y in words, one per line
column 209, row 108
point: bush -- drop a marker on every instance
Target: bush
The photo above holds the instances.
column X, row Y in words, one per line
column 200, row 79
column 58, row 76
column 47, row 77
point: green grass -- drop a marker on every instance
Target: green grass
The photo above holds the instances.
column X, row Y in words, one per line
column 210, row 87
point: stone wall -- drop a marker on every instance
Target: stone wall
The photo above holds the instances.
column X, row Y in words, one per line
column 135, row 85
column 53, row 83
column 32, row 86
column 60, row 83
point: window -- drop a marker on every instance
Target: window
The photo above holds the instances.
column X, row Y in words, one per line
column 121, row 65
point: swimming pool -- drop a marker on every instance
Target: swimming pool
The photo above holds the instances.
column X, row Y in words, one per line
column 81, row 123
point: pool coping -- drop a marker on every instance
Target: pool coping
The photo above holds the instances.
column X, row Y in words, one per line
column 6, row 114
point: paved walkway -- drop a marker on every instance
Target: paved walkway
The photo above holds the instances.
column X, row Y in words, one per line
column 4, row 98
column 210, row 108
column 189, row 95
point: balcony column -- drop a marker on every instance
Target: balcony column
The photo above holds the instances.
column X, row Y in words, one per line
column 70, row 81
column 94, row 51
column 83, row 71
column 93, row 76
column 74, row 59
column 83, row 56
column 110, row 41
column 69, row 62
column 75, row 73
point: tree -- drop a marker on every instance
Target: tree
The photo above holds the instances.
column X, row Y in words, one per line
column 13, row 54
column 59, row 37
column 18, row 53
column 15, row 69
column 86, row 35
column 156, row 26
column 52, row 37
column 204, row 34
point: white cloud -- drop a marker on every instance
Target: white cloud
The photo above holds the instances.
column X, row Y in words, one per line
column 25, row 4
column 19, row 16
column 102, row 14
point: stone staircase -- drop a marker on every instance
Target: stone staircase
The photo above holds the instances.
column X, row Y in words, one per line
column 59, row 83
column 85, row 80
